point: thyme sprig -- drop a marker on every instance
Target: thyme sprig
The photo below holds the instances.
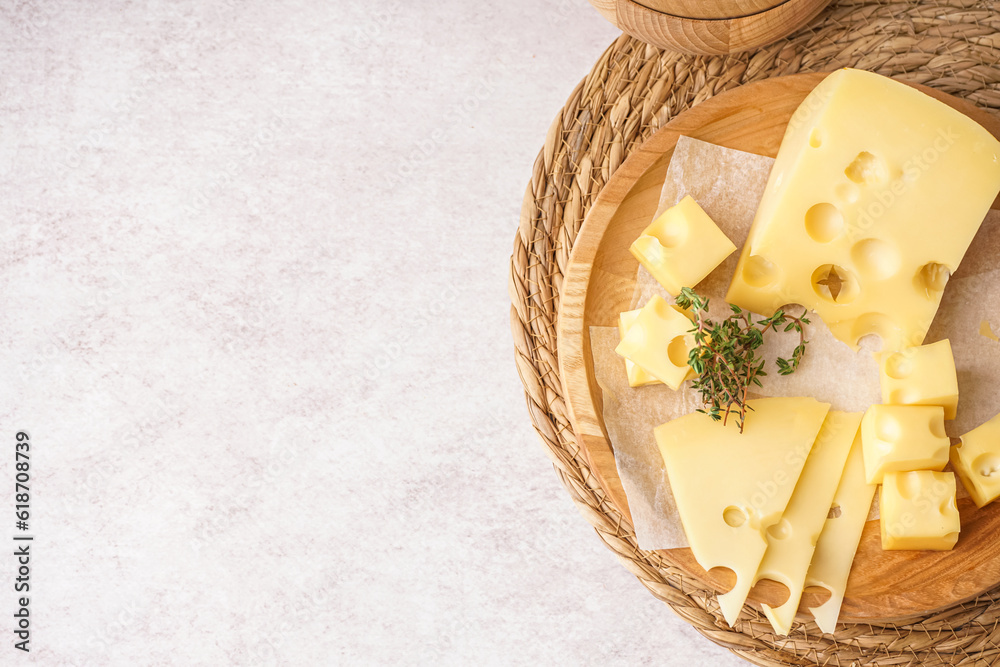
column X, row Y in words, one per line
column 725, row 357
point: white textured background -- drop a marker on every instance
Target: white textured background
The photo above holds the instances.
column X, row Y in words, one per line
column 255, row 318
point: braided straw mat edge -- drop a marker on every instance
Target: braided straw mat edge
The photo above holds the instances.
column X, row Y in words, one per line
column 633, row 90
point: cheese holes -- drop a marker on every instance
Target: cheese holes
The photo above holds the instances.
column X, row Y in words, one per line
column 931, row 279
column 908, row 485
column 760, row 272
column 674, row 233
column 734, row 516
column 848, row 192
column 876, row 258
column 824, row 222
column 781, row 530
column 678, row 350
column 887, row 427
column 903, row 396
column 835, row 512
column 835, row 283
column 867, row 169
column 816, row 137
column 987, row 465
column 937, row 426
column 878, row 324
column 898, row 366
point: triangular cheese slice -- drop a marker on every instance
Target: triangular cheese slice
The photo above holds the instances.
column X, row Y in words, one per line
column 791, row 541
column 730, row 487
column 831, row 564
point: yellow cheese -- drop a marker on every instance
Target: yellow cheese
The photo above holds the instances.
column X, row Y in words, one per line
column 874, row 197
column 923, row 375
column 977, row 461
column 831, row 563
column 918, row 511
column 637, row 377
column 659, row 341
column 682, row 246
column 791, row 541
column 900, row 438
column 731, row 487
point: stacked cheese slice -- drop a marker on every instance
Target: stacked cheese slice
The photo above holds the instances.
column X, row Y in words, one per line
column 757, row 503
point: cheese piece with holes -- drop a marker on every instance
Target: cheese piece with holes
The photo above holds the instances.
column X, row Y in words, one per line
column 976, row 459
column 730, row 487
column 918, row 511
column 923, row 375
column 873, row 199
column 903, row 437
column 791, row 541
column 637, row 377
column 659, row 341
column 834, row 555
column 682, row 246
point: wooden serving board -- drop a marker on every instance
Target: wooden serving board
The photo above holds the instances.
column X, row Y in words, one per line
column 599, row 282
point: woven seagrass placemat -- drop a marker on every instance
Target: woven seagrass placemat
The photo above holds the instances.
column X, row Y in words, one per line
column 634, row 89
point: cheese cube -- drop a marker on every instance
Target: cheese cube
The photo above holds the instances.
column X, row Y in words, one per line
column 682, row 246
column 637, row 377
column 903, row 438
column 977, row 461
column 659, row 342
column 923, row 375
column 874, row 197
column 918, row 511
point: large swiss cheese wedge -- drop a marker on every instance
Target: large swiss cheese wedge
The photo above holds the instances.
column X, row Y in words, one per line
column 731, row 487
column 874, row 197
column 791, row 541
column 834, row 555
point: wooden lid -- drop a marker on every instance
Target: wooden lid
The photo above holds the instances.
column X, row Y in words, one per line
column 715, row 27
column 711, row 9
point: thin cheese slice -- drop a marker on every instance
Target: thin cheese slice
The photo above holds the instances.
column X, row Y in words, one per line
column 834, row 555
column 730, row 487
column 791, row 541
column 874, row 197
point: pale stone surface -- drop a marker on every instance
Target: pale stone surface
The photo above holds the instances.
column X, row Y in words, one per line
column 254, row 287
